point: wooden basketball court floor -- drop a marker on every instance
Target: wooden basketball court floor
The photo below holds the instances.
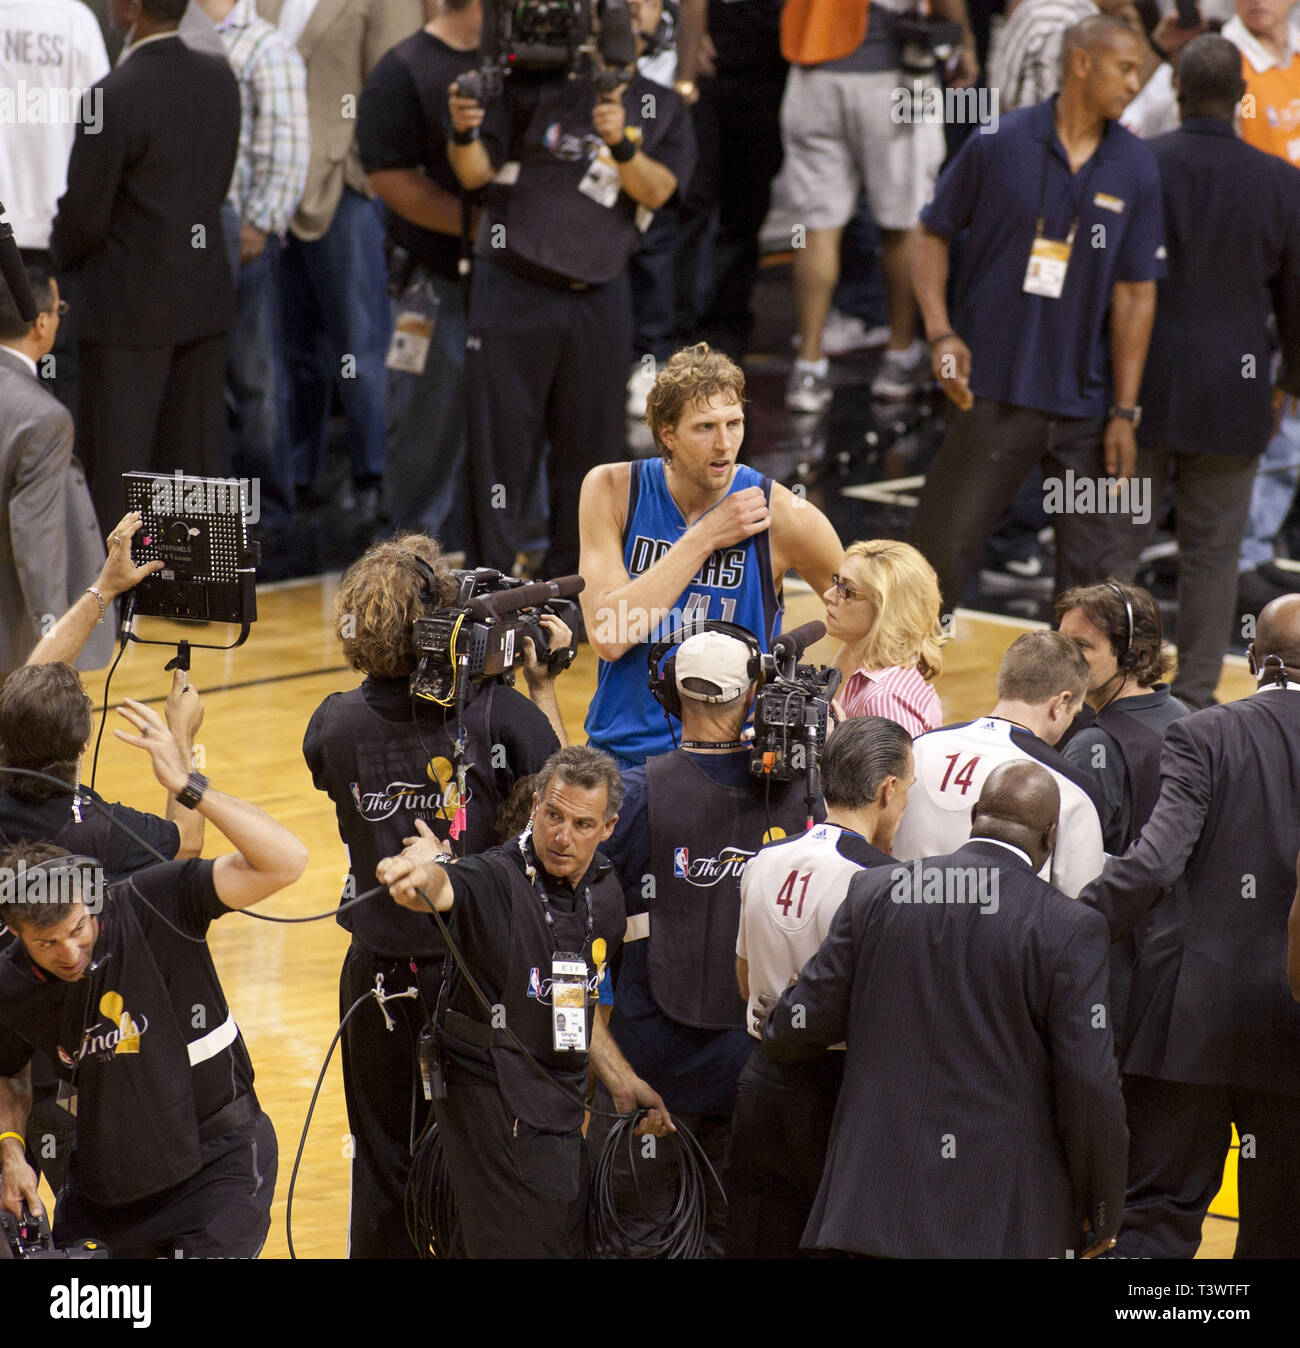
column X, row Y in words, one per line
column 282, row 981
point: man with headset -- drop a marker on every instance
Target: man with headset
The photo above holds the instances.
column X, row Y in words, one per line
column 534, row 922
column 690, row 821
column 389, row 764
column 175, row 1157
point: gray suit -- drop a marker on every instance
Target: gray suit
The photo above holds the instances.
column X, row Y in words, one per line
column 50, row 545
column 980, row 1114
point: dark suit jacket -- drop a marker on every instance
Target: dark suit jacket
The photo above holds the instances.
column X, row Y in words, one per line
column 980, row 1114
column 1232, row 233
column 50, row 544
column 138, row 233
column 1209, row 1002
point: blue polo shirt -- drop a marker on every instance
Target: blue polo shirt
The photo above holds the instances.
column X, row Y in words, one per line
column 1048, row 354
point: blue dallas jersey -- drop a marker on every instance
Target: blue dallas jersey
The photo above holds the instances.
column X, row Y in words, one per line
column 734, row 585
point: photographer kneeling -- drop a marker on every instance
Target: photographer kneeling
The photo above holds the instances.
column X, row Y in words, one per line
column 535, row 920
column 387, row 761
column 174, row 1156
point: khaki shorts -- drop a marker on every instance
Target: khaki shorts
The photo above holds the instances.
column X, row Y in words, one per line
column 840, row 137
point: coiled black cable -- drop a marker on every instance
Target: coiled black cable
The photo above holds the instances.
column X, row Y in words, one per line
column 683, row 1231
column 432, row 1218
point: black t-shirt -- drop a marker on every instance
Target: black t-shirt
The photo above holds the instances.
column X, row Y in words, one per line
column 52, row 820
column 183, row 893
column 546, row 124
column 402, row 124
column 402, row 772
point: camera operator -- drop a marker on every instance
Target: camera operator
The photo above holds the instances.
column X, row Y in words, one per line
column 690, row 821
column 512, row 1134
column 174, row 1156
column 783, row 1111
column 550, row 323
column 390, row 767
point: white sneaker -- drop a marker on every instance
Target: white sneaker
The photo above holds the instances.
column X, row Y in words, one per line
column 847, row 332
column 903, row 374
column 639, row 384
column 807, row 391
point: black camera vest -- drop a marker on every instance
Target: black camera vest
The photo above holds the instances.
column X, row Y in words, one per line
column 549, row 1102
column 380, row 781
column 701, row 837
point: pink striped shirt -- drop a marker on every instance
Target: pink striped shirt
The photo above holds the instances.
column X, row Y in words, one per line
column 901, row 695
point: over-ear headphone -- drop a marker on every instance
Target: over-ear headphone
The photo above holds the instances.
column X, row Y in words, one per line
column 1129, row 657
column 429, row 582
column 663, row 684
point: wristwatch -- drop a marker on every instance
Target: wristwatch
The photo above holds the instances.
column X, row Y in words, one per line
column 1133, row 414
column 193, row 792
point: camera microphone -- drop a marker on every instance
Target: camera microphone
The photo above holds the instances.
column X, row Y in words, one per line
column 500, row 602
column 792, row 644
column 15, row 274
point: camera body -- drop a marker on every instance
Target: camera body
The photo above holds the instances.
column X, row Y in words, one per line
column 29, row 1238
column 459, row 642
column 790, row 721
column 558, row 37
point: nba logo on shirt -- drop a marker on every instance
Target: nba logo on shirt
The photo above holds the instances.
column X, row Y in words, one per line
column 535, row 983
column 681, row 862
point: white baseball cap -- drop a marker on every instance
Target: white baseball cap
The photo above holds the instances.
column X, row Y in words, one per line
column 712, row 667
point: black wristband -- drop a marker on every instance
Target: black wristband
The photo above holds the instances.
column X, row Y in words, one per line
column 193, row 792
column 623, row 150
column 465, row 137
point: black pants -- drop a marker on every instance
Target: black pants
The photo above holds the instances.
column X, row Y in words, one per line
column 1211, row 506
column 223, row 1212
column 738, row 136
column 540, row 360
column 985, row 456
column 386, row 1105
column 152, row 409
column 1179, row 1137
column 520, row 1193
column 644, row 1188
column 778, row 1149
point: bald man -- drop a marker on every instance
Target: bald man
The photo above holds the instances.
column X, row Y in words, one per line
column 1212, row 1035
column 980, row 1115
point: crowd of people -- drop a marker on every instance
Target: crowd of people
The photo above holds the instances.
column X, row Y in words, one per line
column 995, row 988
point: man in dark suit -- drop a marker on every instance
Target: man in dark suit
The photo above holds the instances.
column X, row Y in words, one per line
column 139, row 237
column 50, row 545
column 1212, row 1035
column 980, row 1115
column 1232, row 233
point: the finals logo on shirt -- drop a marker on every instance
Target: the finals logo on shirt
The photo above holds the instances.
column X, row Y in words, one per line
column 122, row 1033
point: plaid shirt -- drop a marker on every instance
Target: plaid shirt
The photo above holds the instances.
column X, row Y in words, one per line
column 274, row 138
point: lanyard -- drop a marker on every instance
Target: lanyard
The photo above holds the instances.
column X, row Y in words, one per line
column 525, row 847
column 1083, row 200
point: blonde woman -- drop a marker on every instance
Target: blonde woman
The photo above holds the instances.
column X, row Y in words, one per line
column 883, row 604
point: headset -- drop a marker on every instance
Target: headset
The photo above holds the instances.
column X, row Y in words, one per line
column 663, row 684
column 1129, row 658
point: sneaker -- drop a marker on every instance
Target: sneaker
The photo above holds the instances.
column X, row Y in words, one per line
column 903, row 374
column 639, row 384
column 807, row 392
column 847, row 332
column 1016, row 574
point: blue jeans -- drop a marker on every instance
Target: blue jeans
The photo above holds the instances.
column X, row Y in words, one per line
column 424, row 487
column 337, row 322
column 1276, row 480
column 256, row 382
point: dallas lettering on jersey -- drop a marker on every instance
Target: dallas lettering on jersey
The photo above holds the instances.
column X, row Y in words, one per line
column 723, row 569
column 72, row 1301
column 704, row 872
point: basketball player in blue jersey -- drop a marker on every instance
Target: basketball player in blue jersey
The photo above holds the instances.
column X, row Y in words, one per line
column 690, row 536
